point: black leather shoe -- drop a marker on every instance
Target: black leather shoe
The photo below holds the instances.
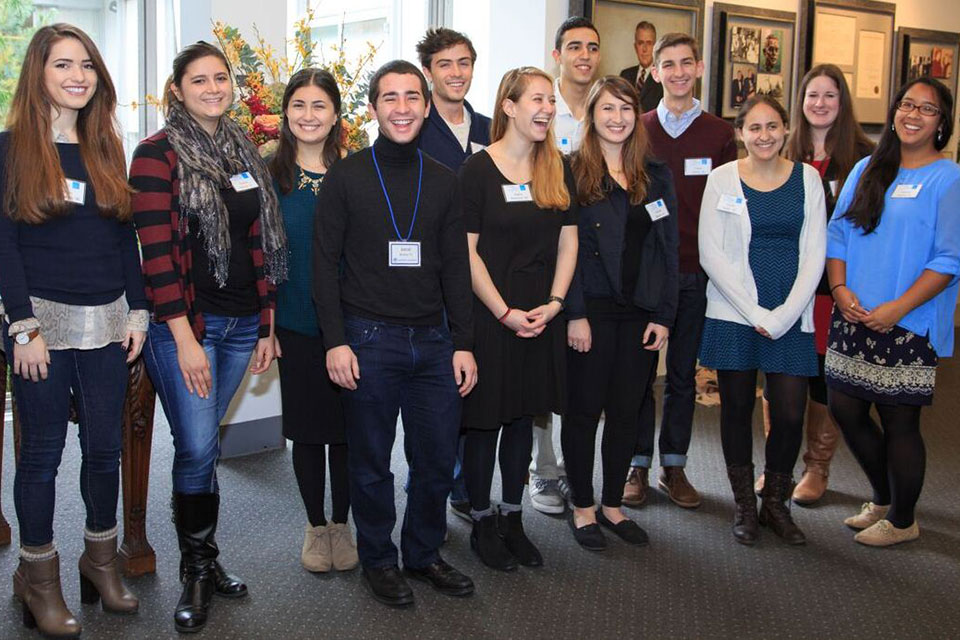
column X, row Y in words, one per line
column 193, row 607
column 487, row 543
column 627, row 530
column 388, row 586
column 517, row 542
column 590, row 537
column 443, row 578
column 227, row 585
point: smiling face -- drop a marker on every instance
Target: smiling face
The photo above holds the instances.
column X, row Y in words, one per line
column 821, row 102
column 678, row 71
column 69, row 75
column 643, row 41
column 915, row 130
column 310, row 115
column 401, row 107
column 579, row 55
column 614, row 119
column 206, row 90
column 450, row 73
column 533, row 111
column 763, row 133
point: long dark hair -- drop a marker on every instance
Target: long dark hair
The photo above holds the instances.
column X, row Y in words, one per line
column 846, row 142
column 284, row 161
column 884, row 164
column 188, row 54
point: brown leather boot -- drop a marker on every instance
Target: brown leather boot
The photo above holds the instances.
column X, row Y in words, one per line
column 674, row 482
column 822, row 440
column 758, row 486
column 37, row 584
column 635, row 489
column 775, row 508
column 100, row 575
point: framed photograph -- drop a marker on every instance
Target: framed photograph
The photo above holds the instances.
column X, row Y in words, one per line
column 921, row 52
column 858, row 37
column 753, row 52
column 616, row 20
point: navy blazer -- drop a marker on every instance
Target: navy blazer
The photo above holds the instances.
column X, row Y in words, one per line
column 650, row 92
column 438, row 141
column 601, row 228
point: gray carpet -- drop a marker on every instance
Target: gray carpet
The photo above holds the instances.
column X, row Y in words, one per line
column 693, row 581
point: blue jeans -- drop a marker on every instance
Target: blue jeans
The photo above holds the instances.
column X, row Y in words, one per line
column 195, row 421
column 98, row 379
column 404, row 370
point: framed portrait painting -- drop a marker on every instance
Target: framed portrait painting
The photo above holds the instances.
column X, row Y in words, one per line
column 922, row 52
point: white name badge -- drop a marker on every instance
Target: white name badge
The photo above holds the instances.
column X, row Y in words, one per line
column 76, row 191
column 697, row 166
column 566, row 147
column 657, row 210
column 404, row 254
column 732, row 204
column 517, row 193
column 834, row 186
column 906, row 190
column 243, row 182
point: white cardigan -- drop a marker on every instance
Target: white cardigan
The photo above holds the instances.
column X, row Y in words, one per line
column 724, row 240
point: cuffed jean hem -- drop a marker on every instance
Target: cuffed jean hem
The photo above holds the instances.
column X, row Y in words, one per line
column 641, row 461
column 673, row 460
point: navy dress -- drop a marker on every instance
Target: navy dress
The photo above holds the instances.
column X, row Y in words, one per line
column 776, row 219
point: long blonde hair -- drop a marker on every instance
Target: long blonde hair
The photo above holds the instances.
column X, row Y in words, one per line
column 547, row 186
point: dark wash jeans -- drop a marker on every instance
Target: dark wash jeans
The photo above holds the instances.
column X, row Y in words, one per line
column 195, row 421
column 405, row 370
column 98, row 379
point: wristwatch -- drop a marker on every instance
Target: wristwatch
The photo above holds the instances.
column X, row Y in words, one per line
column 557, row 299
column 24, row 337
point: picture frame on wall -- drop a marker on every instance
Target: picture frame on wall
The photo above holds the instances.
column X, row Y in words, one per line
column 752, row 52
column 858, row 37
column 616, row 21
column 923, row 52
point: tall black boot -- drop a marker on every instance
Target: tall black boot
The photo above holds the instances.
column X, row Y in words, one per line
column 746, row 529
column 775, row 509
column 226, row 585
column 195, row 516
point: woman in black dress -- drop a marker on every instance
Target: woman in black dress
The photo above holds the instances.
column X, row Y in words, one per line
column 521, row 216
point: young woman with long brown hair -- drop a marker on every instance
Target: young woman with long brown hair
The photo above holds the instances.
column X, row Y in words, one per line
column 621, row 303
column 520, row 212
column 75, row 310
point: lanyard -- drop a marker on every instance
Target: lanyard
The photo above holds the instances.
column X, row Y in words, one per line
column 416, row 205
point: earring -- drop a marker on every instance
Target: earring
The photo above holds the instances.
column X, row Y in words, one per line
column 893, row 127
column 940, row 135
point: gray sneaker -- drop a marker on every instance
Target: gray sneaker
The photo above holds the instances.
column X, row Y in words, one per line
column 563, row 486
column 545, row 496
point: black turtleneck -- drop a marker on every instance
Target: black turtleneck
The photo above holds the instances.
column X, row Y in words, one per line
column 351, row 234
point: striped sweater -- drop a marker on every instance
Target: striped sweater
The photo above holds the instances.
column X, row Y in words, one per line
column 167, row 257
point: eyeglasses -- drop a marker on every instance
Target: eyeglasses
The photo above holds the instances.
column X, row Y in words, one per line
column 925, row 109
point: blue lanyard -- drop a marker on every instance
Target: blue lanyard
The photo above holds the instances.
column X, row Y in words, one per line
column 416, row 206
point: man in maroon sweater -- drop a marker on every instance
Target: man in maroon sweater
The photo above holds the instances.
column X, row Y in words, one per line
column 691, row 142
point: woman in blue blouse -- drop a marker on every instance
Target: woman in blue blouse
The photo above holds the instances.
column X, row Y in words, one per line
column 894, row 315
column 312, row 415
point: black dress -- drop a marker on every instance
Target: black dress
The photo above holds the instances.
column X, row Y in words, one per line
column 518, row 244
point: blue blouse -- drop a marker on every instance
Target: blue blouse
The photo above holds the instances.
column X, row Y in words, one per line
column 295, row 307
column 914, row 234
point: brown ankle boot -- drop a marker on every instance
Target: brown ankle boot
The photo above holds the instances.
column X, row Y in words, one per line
column 37, row 584
column 822, row 440
column 635, row 488
column 775, row 509
column 758, row 486
column 100, row 575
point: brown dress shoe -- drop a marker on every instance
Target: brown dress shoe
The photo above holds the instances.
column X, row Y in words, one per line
column 635, row 489
column 822, row 440
column 674, row 481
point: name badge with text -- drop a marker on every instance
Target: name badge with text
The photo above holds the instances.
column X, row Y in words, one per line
column 76, row 191
column 906, row 191
column 243, row 182
column 697, row 166
column 566, row 147
column 657, row 210
column 834, row 185
column 404, row 254
column 517, row 193
column 732, row 204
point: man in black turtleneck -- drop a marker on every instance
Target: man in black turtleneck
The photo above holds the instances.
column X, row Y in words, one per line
column 390, row 256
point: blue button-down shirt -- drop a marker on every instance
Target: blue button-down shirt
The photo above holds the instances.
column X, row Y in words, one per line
column 676, row 125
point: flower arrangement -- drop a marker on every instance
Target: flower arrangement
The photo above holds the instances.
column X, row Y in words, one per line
column 262, row 75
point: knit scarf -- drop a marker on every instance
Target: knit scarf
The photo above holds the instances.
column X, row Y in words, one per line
column 204, row 166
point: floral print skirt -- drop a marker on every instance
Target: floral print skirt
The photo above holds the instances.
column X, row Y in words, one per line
column 898, row 367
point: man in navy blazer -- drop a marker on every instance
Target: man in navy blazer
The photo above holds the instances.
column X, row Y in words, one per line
column 644, row 37
column 453, row 130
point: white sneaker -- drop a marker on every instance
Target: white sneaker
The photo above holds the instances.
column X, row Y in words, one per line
column 545, row 496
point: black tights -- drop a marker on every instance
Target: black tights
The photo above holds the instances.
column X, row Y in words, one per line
column 480, row 454
column 893, row 457
column 788, row 399
column 310, row 465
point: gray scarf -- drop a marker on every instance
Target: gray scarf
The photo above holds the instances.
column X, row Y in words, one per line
column 204, row 166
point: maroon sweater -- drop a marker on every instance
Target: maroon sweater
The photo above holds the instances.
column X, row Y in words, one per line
column 708, row 137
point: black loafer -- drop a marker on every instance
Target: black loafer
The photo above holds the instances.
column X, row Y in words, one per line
column 442, row 577
column 388, row 586
column 589, row 536
column 627, row 530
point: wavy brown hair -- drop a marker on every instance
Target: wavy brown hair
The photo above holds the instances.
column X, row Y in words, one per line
column 589, row 166
column 34, row 190
column 846, row 142
column 547, row 186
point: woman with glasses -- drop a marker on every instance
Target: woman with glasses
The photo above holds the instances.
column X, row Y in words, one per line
column 894, row 316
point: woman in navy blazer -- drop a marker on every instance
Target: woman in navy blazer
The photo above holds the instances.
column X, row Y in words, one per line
column 621, row 303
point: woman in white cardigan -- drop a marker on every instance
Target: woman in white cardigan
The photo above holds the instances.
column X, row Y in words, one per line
column 762, row 241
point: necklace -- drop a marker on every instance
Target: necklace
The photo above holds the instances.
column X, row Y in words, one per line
column 307, row 181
